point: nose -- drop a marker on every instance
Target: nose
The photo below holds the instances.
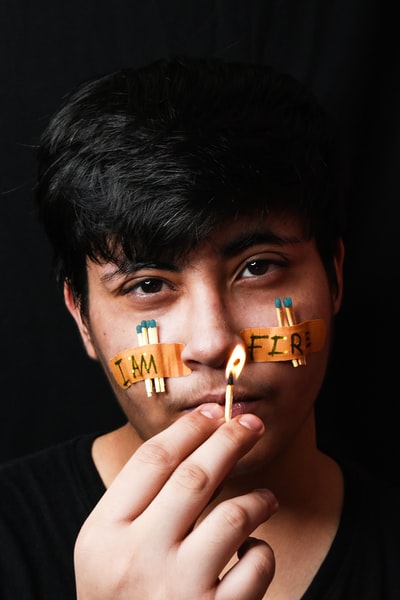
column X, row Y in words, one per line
column 211, row 334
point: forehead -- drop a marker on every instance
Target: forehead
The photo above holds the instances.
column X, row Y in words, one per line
column 273, row 229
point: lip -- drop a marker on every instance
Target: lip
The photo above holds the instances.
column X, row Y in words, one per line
column 240, row 408
column 242, row 404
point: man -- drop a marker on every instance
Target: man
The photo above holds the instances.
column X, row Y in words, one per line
column 195, row 210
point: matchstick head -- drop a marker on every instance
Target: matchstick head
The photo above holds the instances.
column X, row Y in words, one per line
column 287, row 302
column 230, row 379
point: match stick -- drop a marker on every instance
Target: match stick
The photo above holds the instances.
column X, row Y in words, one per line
column 280, row 313
column 285, row 317
column 229, row 397
column 287, row 303
column 153, row 339
column 143, row 340
column 233, row 369
column 283, row 321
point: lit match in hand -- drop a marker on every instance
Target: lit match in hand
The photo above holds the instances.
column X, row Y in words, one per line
column 232, row 372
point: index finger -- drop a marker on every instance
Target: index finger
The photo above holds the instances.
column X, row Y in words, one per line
column 193, row 483
column 146, row 472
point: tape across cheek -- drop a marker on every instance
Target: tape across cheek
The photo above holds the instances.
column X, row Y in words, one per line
column 264, row 344
column 274, row 344
column 148, row 362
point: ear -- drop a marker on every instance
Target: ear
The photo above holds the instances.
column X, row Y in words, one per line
column 74, row 308
column 338, row 266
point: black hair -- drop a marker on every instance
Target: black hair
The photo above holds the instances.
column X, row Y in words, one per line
column 143, row 163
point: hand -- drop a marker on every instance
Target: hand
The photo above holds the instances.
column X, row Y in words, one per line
column 140, row 543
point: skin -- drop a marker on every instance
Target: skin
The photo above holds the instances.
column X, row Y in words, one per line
column 185, row 489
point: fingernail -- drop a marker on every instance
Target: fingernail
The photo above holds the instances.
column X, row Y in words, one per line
column 272, row 499
column 251, row 422
column 212, row 411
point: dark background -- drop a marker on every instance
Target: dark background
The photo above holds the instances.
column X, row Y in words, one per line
column 346, row 50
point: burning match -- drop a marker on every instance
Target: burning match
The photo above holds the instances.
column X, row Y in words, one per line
column 232, row 372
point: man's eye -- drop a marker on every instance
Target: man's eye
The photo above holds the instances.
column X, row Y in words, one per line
column 149, row 286
column 256, row 267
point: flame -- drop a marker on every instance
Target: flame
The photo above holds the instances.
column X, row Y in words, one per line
column 236, row 362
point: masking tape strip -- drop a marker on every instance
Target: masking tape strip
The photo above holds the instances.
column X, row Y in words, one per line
column 148, row 362
column 273, row 344
column 264, row 344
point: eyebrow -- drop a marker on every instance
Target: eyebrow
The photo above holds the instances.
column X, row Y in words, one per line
column 230, row 250
column 128, row 268
column 254, row 238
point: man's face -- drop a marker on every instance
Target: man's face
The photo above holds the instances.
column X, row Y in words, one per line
column 228, row 283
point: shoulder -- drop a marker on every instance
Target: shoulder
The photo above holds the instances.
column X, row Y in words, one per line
column 371, row 505
column 54, row 473
column 44, row 499
column 370, row 486
column 364, row 557
column 63, row 452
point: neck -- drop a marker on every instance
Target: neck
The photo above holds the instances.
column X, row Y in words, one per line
column 111, row 451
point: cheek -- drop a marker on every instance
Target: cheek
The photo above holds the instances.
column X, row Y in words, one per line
column 147, row 415
column 320, row 292
column 109, row 335
column 298, row 387
column 314, row 372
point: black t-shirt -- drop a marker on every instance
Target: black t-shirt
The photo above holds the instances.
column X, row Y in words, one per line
column 45, row 498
